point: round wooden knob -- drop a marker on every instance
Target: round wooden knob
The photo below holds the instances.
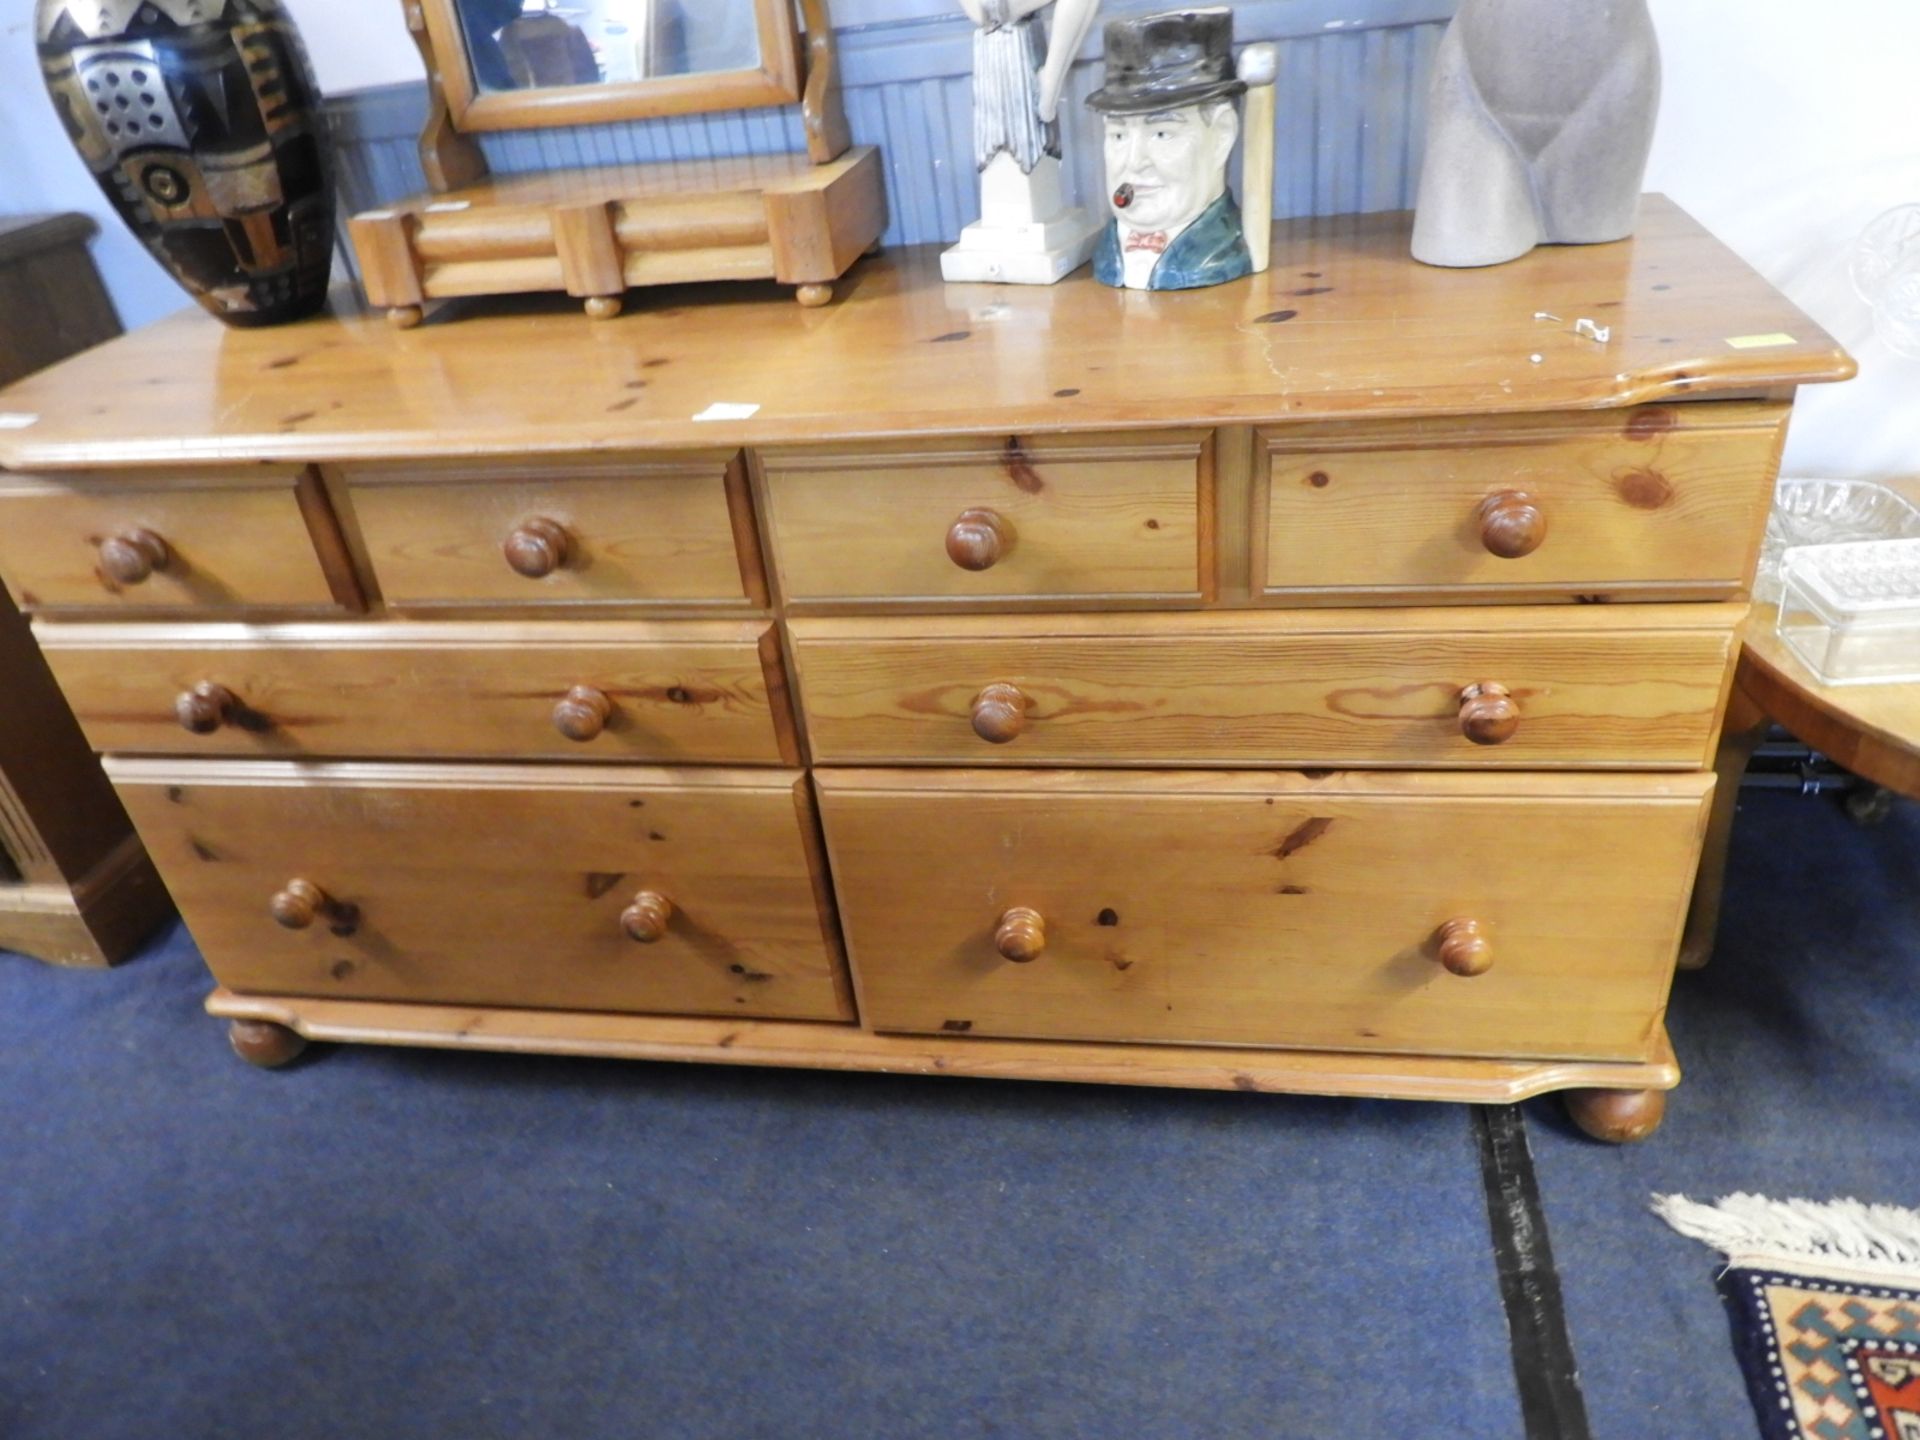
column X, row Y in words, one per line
column 582, row 714
column 1021, row 935
column 300, row 904
column 1465, row 949
column 537, row 548
column 647, row 918
column 1489, row 715
column 979, row 540
column 205, row 708
column 132, row 555
column 1000, row 714
column 1512, row 524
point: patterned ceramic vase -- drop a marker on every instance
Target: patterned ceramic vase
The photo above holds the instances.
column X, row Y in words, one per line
column 200, row 120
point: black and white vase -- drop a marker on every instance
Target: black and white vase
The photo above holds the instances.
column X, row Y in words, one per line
column 200, row 120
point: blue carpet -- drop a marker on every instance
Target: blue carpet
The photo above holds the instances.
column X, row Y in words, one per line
column 1802, row 1078
column 383, row 1243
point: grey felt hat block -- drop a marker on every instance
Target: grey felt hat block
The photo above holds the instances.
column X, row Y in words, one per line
column 1538, row 130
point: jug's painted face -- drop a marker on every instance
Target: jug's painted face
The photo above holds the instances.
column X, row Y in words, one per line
column 1165, row 168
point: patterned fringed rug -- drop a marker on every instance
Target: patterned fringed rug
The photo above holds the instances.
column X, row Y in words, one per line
column 1825, row 1301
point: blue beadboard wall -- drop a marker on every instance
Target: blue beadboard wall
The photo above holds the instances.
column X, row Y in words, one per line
column 1353, row 76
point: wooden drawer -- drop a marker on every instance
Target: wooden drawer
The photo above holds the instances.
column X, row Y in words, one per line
column 995, row 520
column 673, row 692
column 215, row 541
column 1658, row 502
column 1268, row 910
column 661, row 530
column 1636, row 688
column 498, row 885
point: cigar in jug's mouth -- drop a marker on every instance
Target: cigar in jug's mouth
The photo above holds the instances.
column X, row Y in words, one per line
column 1123, row 197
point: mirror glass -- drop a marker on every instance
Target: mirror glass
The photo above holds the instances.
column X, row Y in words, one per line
column 518, row 45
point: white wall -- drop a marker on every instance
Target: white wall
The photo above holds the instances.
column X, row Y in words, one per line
column 1786, row 128
column 1783, row 131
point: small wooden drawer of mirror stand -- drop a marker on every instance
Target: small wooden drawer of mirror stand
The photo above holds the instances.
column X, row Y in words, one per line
column 639, row 531
column 215, row 541
column 995, row 520
column 556, row 886
column 1501, row 915
column 675, row 692
column 1658, row 502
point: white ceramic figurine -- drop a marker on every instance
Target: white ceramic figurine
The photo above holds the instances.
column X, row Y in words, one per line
column 1027, row 233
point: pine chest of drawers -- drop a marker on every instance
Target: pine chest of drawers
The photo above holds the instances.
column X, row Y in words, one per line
column 1307, row 685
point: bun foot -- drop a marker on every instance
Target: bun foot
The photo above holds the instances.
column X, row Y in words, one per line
column 1619, row 1117
column 604, row 307
column 814, row 296
column 875, row 248
column 263, row 1043
column 405, row 317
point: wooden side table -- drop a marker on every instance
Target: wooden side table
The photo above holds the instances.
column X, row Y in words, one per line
column 50, row 293
column 1871, row 730
column 76, row 887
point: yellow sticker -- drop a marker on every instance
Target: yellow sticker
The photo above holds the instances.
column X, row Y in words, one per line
column 1761, row 342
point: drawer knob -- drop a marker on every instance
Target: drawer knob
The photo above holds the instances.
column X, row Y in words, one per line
column 1512, row 524
column 582, row 714
column 1465, row 949
column 979, row 540
column 205, row 708
column 1000, row 714
column 300, row 904
column 133, row 555
column 1021, row 935
column 647, row 918
column 538, row 547
column 1489, row 715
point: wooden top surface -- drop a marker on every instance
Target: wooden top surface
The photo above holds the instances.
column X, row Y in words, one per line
column 1346, row 324
column 1873, row 730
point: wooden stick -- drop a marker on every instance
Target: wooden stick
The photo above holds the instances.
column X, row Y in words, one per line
column 1259, row 67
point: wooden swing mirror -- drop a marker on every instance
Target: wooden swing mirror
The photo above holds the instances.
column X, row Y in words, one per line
column 800, row 219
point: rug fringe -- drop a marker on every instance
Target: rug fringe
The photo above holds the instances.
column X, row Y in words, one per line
column 1880, row 1240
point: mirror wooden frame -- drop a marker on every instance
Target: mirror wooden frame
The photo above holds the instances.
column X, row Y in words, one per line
column 776, row 81
column 594, row 233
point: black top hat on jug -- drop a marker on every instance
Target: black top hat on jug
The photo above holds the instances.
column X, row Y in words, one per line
column 1166, row 61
